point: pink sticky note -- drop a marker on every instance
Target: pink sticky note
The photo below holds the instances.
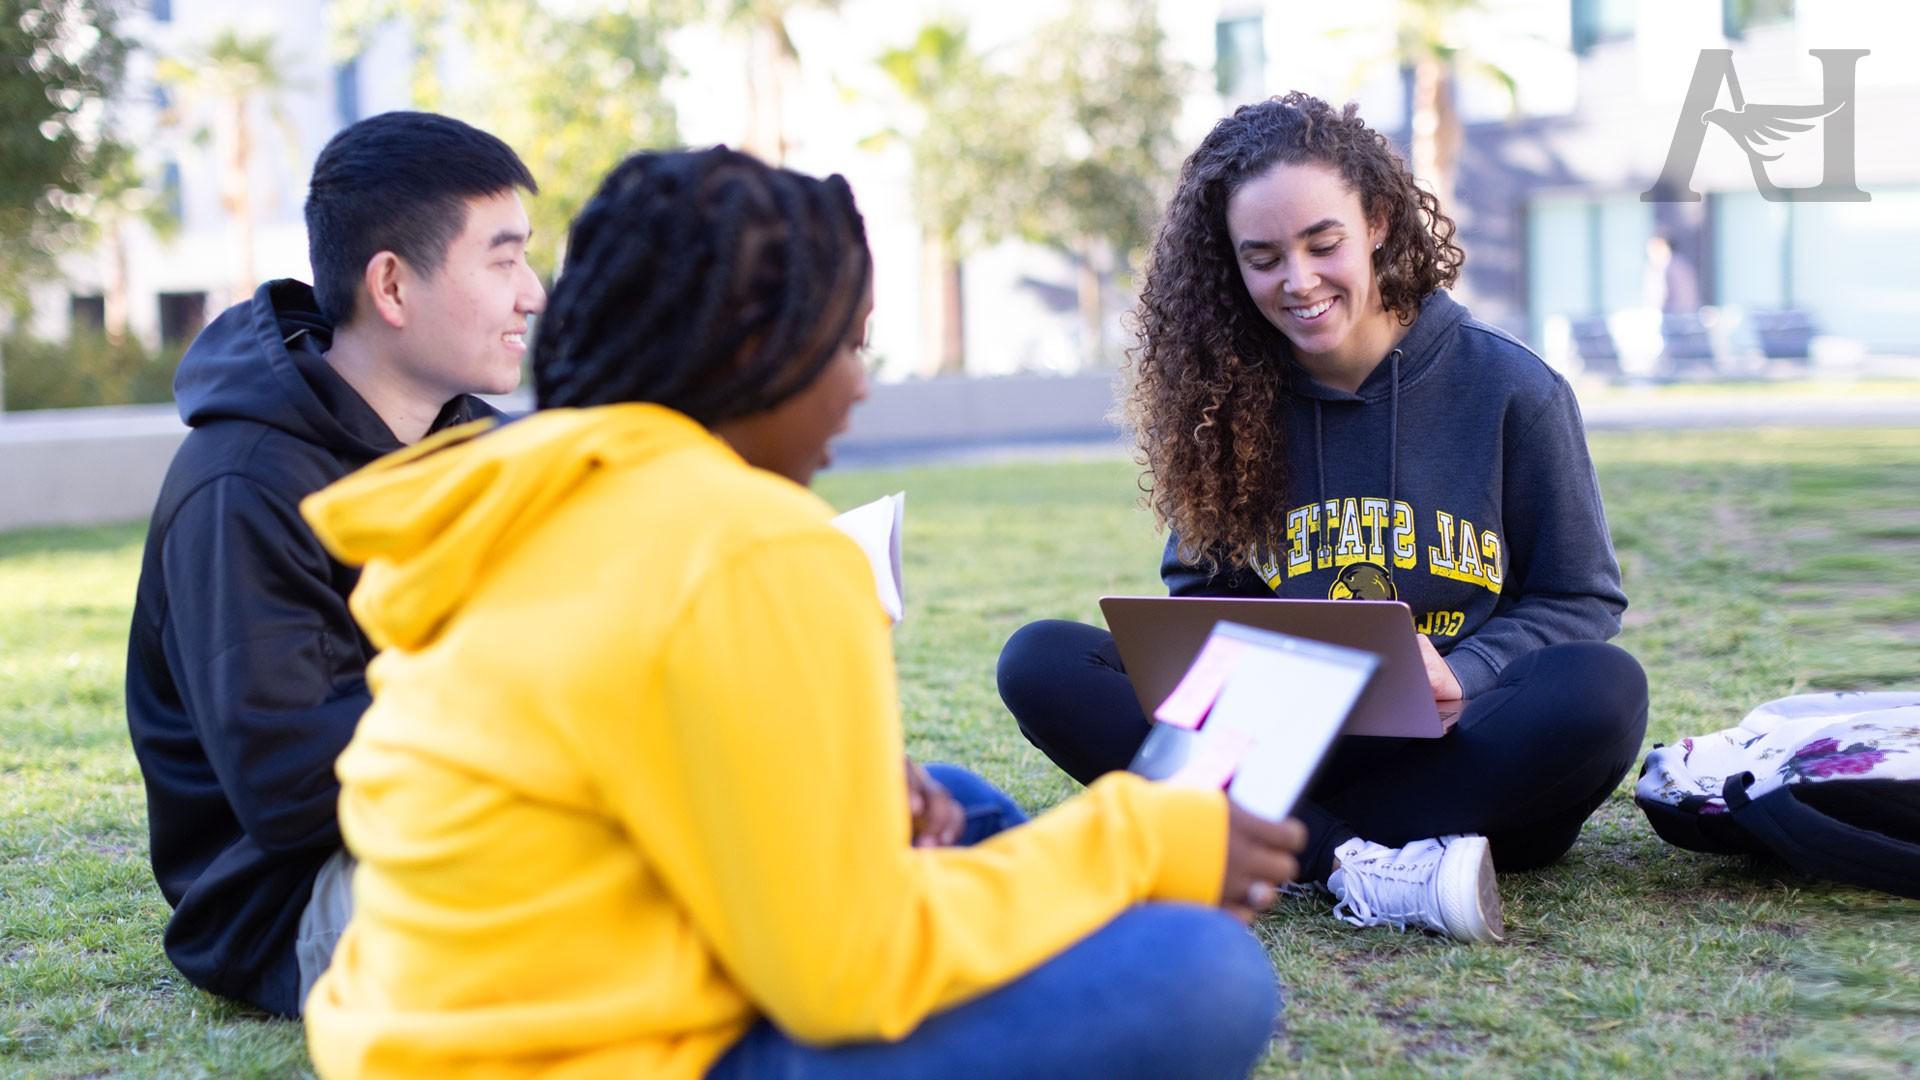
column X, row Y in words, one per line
column 1214, row 759
column 1201, row 684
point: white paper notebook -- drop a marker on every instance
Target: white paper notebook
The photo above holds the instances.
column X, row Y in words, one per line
column 876, row 528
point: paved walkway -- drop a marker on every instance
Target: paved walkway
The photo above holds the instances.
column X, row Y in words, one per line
column 1610, row 410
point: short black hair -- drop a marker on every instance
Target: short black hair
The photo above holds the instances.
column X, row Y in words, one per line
column 398, row 182
column 706, row 281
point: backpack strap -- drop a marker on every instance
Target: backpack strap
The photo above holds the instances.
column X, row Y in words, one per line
column 1824, row 846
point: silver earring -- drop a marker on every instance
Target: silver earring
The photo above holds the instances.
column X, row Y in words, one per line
column 1376, row 247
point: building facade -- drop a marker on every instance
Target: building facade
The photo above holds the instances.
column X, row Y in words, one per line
column 1549, row 192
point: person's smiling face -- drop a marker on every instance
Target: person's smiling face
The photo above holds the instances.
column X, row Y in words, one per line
column 468, row 318
column 1305, row 250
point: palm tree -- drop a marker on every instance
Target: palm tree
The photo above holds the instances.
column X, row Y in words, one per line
column 121, row 198
column 230, row 75
column 921, row 71
column 1427, row 36
column 771, row 61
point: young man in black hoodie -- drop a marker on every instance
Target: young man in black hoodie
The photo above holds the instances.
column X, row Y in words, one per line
column 246, row 671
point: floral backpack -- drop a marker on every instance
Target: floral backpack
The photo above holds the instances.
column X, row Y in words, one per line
column 1829, row 783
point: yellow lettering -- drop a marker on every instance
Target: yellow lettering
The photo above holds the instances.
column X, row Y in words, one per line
column 1403, row 551
column 1441, row 558
column 1469, row 550
column 1298, row 529
column 1323, row 555
column 1373, row 515
column 1352, row 546
column 1491, row 549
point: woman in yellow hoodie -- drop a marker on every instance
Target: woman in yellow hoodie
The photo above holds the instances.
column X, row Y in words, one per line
column 628, row 801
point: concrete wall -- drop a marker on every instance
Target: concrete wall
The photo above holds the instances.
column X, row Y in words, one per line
column 87, row 466
column 84, row 466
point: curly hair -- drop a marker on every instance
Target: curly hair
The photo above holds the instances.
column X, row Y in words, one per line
column 1210, row 373
column 706, row 281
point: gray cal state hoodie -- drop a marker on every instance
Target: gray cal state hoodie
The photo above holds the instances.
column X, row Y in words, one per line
column 1456, row 479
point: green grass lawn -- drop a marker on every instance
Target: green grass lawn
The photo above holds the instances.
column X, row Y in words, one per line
column 1759, row 564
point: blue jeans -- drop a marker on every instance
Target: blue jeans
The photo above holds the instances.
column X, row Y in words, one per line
column 1163, row 992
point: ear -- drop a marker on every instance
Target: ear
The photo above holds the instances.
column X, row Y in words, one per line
column 385, row 280
column 1377, row 232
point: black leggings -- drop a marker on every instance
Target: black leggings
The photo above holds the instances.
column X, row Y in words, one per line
column 1525, row 765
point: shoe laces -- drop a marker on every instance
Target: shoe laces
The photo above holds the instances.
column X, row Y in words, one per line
column 1383, row 886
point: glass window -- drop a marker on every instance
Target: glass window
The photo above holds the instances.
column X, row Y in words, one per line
column 1749, row 250
column 89, row 313
column 1586, row 257
column 1851, row 266
column 170, row 190
column 1601, row 20
column 182, row 315
column 1621, row 228
column 346, row 91
column 1743, row 15
column 1559, row 261
column 1240, row 59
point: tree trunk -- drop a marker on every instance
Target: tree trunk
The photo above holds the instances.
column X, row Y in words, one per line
column 766, row 136
column 943, row 340
column 1436, row 130
column 237, row 197
column 1090, row 282
column 115, row 299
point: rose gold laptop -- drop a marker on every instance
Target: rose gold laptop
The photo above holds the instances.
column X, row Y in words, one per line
column 1158, row 637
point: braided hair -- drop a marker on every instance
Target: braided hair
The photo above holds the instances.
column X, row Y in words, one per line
column 705, row 281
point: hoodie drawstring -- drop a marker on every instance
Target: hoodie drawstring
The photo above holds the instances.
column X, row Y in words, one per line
column 1393, row 461
column 1325, row 554
column 1393, row 457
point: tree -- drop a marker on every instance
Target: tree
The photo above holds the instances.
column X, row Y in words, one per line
column 121, row 197
column 964, row 127
column 233, row 75
column 60, row 61
column 772, row 61
column 1427, row 37
column 1110, row 153
column 573, row 89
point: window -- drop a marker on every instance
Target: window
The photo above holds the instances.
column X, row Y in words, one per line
column 346, row 91
column 1740, row 16
column 1750, row 251
column 1585, row 257
column 170, row 190
column 1240, row 59
column 1595, row 21
column 88, row 313
column 182, row 315
column 160, row 10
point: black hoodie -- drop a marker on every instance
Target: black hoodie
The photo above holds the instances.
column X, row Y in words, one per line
column 1456, row 479
column 245, row 671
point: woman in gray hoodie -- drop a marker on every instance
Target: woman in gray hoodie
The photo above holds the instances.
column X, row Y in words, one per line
column 1319, row 419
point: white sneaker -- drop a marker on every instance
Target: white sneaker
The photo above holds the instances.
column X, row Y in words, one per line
column 1445, row 885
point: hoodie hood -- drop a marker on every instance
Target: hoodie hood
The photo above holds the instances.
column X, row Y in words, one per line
column 1419, row 349
column 428, row 522
column 265, row 360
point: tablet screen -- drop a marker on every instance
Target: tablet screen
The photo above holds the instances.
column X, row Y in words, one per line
column 1257, row 714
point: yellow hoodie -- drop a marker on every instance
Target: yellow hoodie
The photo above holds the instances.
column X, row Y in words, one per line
column 631, row 778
